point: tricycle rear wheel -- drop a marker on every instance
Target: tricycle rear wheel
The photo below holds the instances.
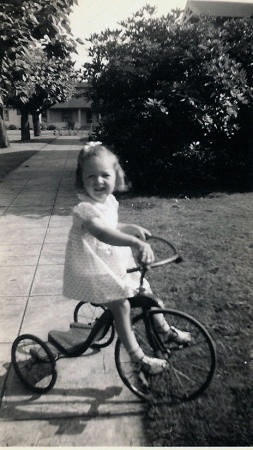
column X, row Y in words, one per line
column 87, row 314
column 34, row 363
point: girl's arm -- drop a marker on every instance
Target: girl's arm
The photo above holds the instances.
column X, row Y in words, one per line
column 116, row 237
column 134, row 230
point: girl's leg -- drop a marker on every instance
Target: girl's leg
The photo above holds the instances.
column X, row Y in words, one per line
column 122, row 319
column 170, row 333
column 163, row 328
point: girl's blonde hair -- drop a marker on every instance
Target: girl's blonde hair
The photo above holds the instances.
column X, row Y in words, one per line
column 97, row 149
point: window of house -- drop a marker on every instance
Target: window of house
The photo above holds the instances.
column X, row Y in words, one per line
column 6, row 115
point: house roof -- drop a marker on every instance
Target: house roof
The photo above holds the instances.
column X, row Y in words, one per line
column 73, row 103
column 79, row 99
column 219, row 8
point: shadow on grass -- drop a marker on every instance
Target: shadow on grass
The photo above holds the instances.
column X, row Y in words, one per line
column 10, row 161
column 191, row 193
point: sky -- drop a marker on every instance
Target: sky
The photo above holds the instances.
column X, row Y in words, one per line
column 94, row 16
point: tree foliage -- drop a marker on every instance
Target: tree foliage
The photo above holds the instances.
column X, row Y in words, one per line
column 27, row 24
column 30, row 22
column 39, row 83
column 172, row 95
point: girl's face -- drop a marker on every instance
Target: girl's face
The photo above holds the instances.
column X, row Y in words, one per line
column 99, row 177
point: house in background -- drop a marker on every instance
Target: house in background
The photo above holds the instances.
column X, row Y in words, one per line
column 217, row 8
column 76, row 111
column 12, row 118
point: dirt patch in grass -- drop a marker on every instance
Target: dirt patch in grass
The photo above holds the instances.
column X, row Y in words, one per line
column 10, row 161
column 214, row 284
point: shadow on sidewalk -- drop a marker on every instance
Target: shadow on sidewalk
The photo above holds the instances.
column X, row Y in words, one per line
column 59, row 141
column 32, row 141
column 58, row 404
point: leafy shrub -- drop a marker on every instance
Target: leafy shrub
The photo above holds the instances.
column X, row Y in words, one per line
column 51, row 127
column 12, row 127
column 173, row 98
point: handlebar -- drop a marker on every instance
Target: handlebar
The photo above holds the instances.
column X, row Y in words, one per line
column 174, row 258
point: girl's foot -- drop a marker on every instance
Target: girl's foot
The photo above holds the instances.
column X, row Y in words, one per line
column 152, row 366
column 177, row 336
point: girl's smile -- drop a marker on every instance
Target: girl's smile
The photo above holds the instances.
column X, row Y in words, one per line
column 99, row 177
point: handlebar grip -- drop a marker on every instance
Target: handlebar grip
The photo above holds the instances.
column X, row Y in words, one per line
column 175, row 258
column 134, row 269
column 178, row 260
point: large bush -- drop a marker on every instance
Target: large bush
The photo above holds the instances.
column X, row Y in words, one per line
column 173, row 97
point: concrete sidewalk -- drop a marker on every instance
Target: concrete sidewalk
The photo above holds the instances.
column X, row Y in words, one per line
column 89, row 405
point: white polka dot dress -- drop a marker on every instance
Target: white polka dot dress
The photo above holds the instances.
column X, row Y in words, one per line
column 95, row 271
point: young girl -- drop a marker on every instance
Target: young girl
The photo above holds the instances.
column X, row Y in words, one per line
column 99, row 252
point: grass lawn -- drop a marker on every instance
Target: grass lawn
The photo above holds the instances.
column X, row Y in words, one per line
column 214, row 284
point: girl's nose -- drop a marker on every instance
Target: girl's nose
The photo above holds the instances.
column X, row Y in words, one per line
column 100, row 180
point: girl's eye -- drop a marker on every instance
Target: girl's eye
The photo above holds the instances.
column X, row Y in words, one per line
column 104, row 175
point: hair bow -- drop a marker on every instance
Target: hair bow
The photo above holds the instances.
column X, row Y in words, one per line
column 92, row 144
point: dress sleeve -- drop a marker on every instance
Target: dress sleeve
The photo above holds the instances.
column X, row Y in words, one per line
column 114, row 202
column 84, row 212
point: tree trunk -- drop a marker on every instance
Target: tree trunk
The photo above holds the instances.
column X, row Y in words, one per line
column 25, row 127
column 250, row 183
column 4, row 140
column 36, row 125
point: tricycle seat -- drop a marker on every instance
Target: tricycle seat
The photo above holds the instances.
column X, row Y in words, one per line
column 71, row 341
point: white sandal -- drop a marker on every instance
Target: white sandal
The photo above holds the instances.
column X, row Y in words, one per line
column 177, row 336
column 151, row 366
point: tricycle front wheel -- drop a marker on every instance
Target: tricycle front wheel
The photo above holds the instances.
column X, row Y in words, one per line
column 190, row 368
